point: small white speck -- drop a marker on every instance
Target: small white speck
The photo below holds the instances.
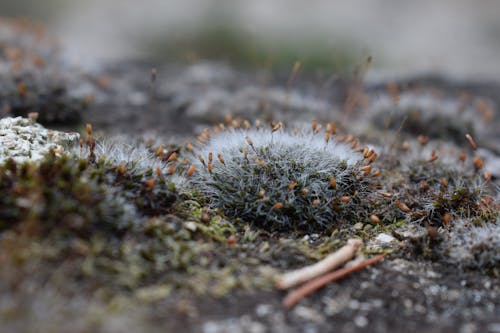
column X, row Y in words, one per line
column 360, row 321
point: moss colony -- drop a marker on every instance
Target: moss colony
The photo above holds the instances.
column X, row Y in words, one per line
column 35, row 77
column 419, row 114
column 81, row 195
column 472, row 245
column 283, row 180
column 279, row 180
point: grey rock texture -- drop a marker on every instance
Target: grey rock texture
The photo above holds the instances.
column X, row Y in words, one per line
column 24, row 140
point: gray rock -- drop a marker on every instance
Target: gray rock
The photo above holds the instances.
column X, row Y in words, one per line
column 411, row 232
column 381, row 242
column 24, row 140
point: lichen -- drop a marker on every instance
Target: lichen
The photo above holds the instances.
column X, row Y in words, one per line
column 24, row 140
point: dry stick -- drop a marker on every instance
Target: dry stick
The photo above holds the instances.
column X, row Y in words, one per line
column 471, row 141
column 332, row 261
column 295, row 296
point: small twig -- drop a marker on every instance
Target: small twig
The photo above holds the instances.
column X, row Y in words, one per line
column 332, row 261
column 295, row 296
column 471, row 141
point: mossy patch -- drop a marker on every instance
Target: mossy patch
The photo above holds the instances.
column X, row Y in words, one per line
column 34, row 77
column 72, row 194
column 279, row 180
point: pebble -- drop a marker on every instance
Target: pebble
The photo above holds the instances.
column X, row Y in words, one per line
column 385, row 238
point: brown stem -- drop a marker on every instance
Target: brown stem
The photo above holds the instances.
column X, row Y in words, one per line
column 329, row 263
column 308, row 288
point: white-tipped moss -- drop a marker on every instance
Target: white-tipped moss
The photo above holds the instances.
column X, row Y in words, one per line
column 471, row 245
column 424, row 113
column 439, row 183
column 36, row 77
column 282, row 180
column 136, row 157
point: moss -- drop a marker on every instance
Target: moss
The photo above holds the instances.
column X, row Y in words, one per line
column 424, row 114
column 436, row 189
column 35, row 78
column 60, row 195
column 471, row 245
column 283, row 181
column 113, row 216
column 70, row 194
column 175, row 252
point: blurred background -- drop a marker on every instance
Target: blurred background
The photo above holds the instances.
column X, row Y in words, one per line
column 458, row 38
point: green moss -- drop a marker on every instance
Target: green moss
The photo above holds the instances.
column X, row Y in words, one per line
column 224, row 41
column 74, row 195
column 59, row 195
column 449, row 191
column 284, row 181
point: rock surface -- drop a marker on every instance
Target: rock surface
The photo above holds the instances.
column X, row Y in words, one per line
column 24, row 140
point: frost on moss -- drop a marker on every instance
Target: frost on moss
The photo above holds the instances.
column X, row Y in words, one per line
column 283, row 180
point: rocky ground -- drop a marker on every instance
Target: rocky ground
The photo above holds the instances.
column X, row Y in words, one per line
column 104, row 236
